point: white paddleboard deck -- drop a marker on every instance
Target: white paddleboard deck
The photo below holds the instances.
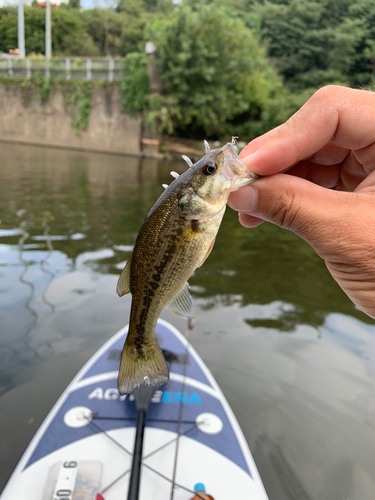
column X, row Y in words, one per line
column 83, row 448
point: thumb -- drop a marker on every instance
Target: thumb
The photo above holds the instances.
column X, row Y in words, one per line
column 321, row 216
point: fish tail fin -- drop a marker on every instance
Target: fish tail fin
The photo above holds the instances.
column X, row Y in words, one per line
column 141, row 366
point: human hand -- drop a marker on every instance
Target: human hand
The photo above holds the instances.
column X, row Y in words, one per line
column 325, row 193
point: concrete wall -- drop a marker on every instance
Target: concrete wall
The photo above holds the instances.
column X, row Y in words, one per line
column 27, row 121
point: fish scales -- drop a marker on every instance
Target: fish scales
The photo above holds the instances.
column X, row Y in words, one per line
column 175, row 238
column 179, row 244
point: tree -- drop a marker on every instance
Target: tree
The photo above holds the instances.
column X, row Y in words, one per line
column 318, row 42
column 216, row 76
column 117, row 33
column 69, row 36
column 305, row 45
column 8, row 29
column 105, row 29
column 362, row 14
column 74, row 4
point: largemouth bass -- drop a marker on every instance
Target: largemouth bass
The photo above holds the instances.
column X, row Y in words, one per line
column 176, row 237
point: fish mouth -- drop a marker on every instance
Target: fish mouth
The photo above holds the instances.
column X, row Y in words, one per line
column 235, row 171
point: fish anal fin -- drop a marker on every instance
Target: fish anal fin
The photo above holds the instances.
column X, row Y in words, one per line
column 208, row 252
column 142, row 366
column 123, row 284
column 181, row 304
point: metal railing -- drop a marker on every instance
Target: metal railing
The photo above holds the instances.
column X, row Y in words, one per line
column 64, row 68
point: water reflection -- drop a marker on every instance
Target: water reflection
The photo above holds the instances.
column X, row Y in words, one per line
column 22, row 280
column 68, row 224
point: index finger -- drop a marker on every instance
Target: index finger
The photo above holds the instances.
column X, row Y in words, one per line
column 338, row 114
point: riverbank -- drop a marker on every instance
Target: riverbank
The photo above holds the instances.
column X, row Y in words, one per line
column 82, row 116
column 69, row 115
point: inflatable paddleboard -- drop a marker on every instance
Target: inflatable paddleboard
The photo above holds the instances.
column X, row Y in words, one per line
column 83, row 449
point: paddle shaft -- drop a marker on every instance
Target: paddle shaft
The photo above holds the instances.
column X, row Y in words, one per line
column 135, row 476
column 142, row 399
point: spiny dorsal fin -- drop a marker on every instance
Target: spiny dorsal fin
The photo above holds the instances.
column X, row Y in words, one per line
column 174, row 174
column 123, row 284
column 234, row 144
column 181, row 304
column 188, row 161
column 206, row 146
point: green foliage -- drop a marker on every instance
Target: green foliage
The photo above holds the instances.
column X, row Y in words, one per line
column 120, row 32
column 44, row 87
column 69, row 35
column 104, row 27
column 78, row 103
column 151, row 6
column 116, row 34
column 27, row 88
column 133, row 24
column 214, row 72
column 302, row 43
column 74, row 4
column 8, row 29
column 134, row 87
column 318, row 42
column 77, row 95
column 361, row 22
column 76, row 32
column 227, row 66
column 36, row 87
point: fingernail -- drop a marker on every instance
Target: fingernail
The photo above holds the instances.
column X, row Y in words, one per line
column 251, row 162
column 248, row 159
column 249, row 156
column 244, row 200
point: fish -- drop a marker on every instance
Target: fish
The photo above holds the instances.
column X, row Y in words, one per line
column 175, row 239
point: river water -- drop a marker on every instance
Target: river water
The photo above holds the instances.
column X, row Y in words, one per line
column 293, row 356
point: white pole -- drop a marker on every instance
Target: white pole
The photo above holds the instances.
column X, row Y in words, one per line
column 48, row 30
column 28, row 68
column 21, row 30
column 88, row 69
column 67, row 69
column 110, row 70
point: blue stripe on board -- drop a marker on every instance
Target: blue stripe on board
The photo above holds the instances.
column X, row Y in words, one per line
column 97, row 397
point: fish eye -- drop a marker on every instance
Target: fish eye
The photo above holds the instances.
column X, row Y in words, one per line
column 209, row 169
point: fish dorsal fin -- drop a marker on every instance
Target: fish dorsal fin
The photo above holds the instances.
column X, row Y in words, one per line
column 181, row 304
column 123, row 284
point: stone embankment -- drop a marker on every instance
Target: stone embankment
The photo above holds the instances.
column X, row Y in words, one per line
column 24, row 119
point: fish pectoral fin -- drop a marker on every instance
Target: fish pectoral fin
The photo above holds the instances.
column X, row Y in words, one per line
column 181, row 304
column 123, row 284
column 208, row 252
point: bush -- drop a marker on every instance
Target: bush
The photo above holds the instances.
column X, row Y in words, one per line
column 134, row 87
column 217, row 79
column 69, row 36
